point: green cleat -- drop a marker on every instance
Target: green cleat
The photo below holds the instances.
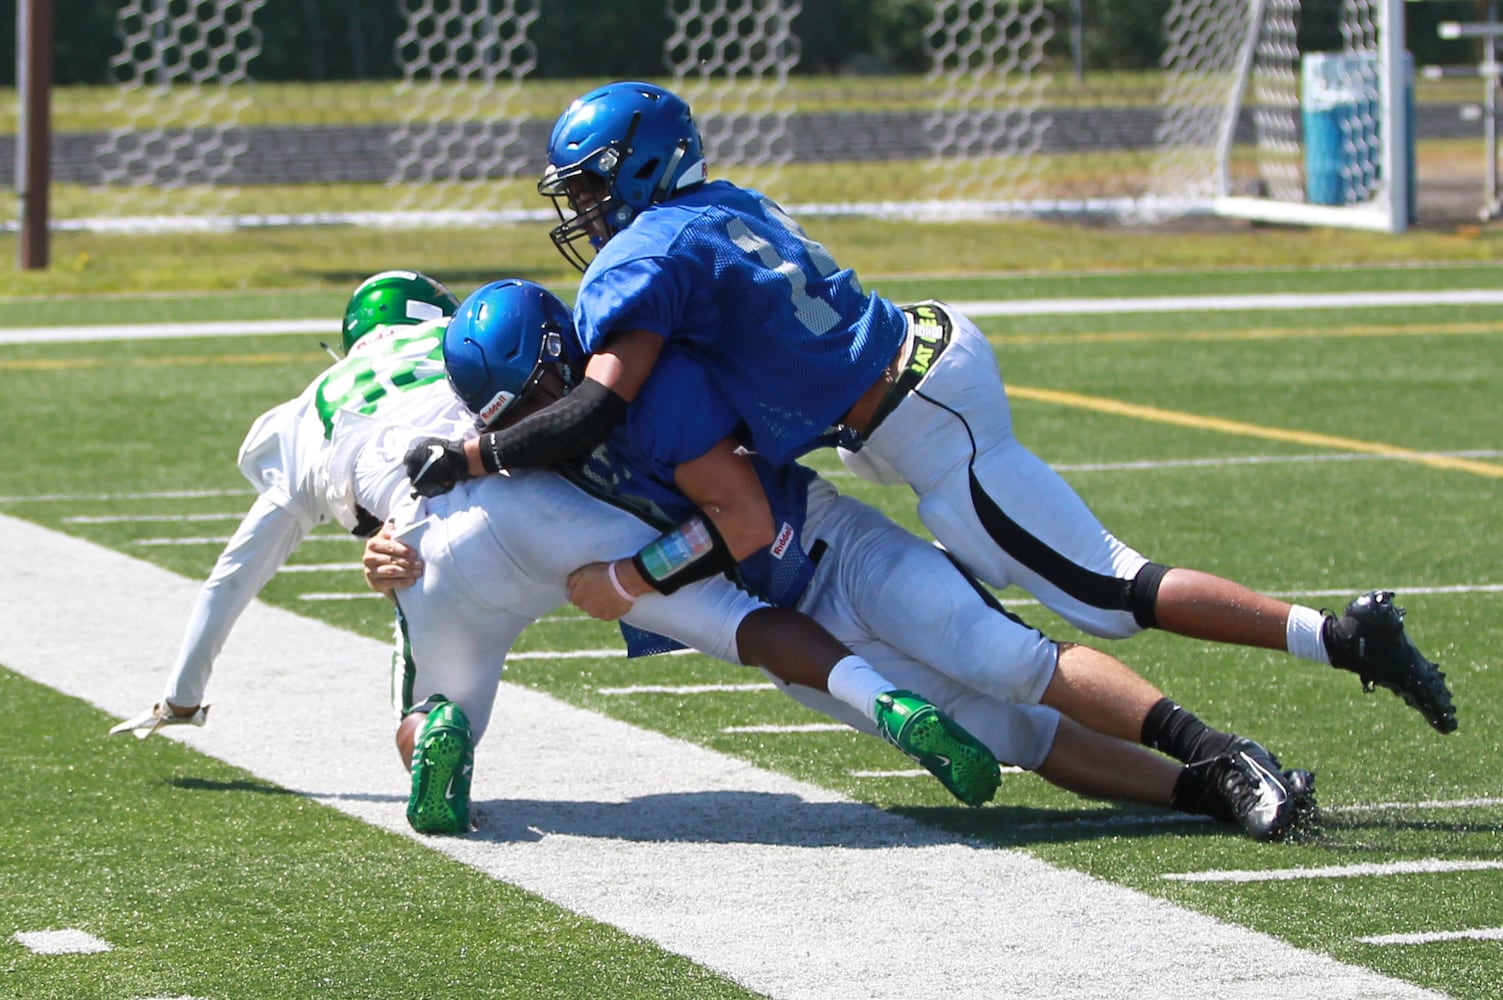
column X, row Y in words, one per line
column 961, row 762
column 442, row 759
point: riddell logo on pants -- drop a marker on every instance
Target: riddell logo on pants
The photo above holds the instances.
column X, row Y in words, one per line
column 780, row 544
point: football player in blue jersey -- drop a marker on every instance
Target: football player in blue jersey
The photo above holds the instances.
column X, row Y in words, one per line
column 807, row 358
column 1065, row 710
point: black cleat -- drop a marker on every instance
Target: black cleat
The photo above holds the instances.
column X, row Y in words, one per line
column 1301, row 783
column 1238, row 788
column 1369, row 640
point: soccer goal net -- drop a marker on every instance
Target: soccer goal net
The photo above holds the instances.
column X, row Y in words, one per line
column 1006, row 117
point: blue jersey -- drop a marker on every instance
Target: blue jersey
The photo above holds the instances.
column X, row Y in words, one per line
column 787, row 337
column 679, row 416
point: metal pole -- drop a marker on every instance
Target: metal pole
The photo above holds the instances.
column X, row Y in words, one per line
column 1490, row 113
column 1394, row 114
column 34, row 39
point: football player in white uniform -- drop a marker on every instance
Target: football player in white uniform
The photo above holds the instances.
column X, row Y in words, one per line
column 902, row 603
column 332, row 454
column 335, row 453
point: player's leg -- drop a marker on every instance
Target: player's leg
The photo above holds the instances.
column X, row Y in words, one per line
column 455, row 648
column 718, row 618
column 1013, row 520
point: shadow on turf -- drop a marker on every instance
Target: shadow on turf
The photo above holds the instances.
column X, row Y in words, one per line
column 787, row 820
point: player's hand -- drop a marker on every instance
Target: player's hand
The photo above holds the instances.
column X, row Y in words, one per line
column 434, row 465
column 591, row 591
column 389, row 564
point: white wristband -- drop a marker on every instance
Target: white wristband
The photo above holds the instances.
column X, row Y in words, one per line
column 626, row 596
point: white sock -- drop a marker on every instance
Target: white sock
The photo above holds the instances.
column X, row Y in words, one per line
column 857, row 683
column 1304, row 634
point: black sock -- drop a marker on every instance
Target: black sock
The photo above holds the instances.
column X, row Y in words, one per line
column 1180, row 734
column 1193, row 793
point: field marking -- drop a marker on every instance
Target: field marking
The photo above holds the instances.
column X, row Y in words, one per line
column 685, row 689
column 1194, row 463
column 1429, row 866
column 1145, row 465
column 1196, row 421
column 1354, row 331
column 985, row 308
column 222, row 540
column 1230, row 303
column 64, row 942
column 1435, row 937
column 689, row 835
column 174, row 361
column 803, row 727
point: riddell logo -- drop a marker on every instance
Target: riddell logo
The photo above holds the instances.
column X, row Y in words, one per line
column 494, row 407
column 781, row 543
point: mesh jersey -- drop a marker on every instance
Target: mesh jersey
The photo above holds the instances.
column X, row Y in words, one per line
column 678, row 416
column 341, row 443
column 788, row 337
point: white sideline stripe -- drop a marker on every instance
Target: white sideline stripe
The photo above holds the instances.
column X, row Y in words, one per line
column 1434, row 937
column 65, row 942
column 1232, row 303
column 701, row 847
column 1430, row 866
column 991, row 307
column 685, row 689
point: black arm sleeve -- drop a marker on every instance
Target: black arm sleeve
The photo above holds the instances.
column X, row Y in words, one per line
column 558, row 433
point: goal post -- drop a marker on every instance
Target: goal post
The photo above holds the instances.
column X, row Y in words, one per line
column 1332, row 132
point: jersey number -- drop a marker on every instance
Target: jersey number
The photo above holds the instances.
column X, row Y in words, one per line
column 817, row 315
column 360, row 383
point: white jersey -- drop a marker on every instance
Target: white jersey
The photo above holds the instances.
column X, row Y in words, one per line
column 497, row 552
column 331, row 453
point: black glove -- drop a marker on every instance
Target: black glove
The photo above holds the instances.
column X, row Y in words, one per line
column 435, row 465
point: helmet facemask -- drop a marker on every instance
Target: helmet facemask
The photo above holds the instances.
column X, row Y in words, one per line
column 640, row 148
column 587, row 206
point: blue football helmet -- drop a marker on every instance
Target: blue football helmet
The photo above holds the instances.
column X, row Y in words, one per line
column 394, row 298
column 503, row 342
column 613, row 153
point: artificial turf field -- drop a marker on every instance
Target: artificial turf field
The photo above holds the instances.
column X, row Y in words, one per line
column 1307, row 450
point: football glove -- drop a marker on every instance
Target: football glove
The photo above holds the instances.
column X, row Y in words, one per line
column 155, row 718
column 434, row 465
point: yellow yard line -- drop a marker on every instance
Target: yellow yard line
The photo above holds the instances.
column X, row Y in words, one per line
column 1251, row 333
column 1196, row 421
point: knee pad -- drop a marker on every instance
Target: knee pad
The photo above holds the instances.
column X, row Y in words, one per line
column 1143, row 594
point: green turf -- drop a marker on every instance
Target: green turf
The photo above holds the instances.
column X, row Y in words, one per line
column 1407, row 380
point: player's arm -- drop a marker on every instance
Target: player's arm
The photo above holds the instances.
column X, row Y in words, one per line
column 559, row 433
column 267, row 535
column 734, row 520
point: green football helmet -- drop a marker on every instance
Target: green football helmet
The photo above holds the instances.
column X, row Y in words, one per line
column 393, row 298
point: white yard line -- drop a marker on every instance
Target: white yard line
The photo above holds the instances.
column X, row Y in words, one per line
column 1434, row 937
column 784, row 887
column 1429, row 866
column 993, row 307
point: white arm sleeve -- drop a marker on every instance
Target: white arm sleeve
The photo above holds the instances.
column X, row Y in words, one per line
column 260, row 546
